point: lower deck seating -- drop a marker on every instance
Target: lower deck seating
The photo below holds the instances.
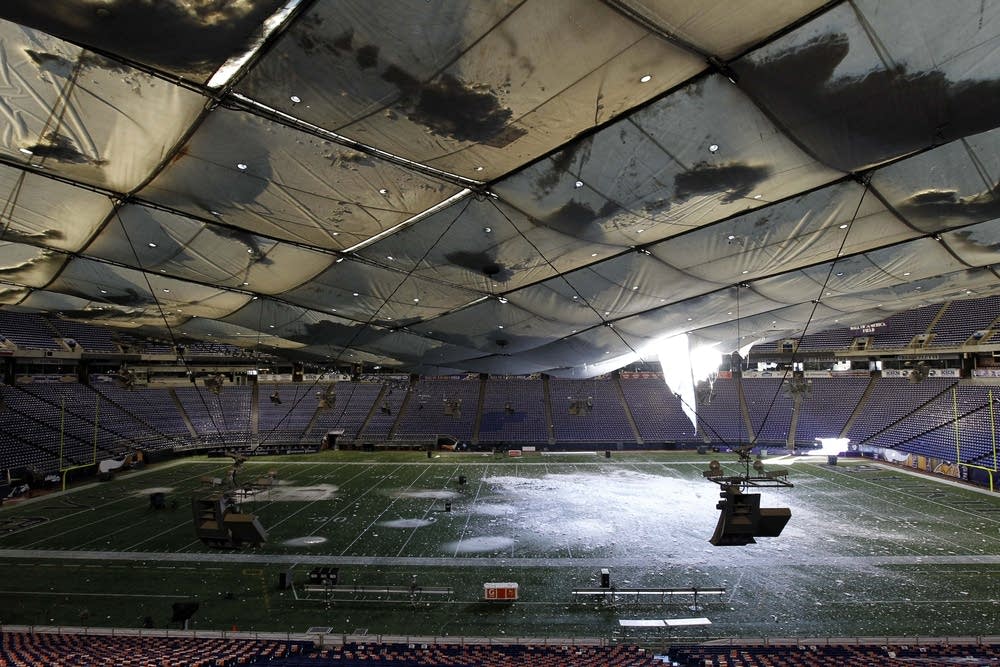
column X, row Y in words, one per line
column 66, row 650
column 836, row 655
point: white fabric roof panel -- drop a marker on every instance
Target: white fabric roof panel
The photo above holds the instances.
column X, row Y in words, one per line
column 128, row 287
column 720, row 27
column 364, row 292
column 475, row 89
column 48, row 212
column 453, row 245
column 949, row 186
column 692, row 158
column 189, row 38
column 768, row 142
column 280, row 182
column 190, row 249
column 28, row 265
column 867, row 82
column 812, row 228
column 83, row 116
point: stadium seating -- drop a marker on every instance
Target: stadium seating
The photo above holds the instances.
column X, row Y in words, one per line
column 65, row 650
column 891, row 400
column 152, row 406
column 381, row 423
column 961, row 319
column 770, row 409
column 834, row 655
column 900, row 329
column 719, row 416
column 222, row 418
column 287, row 421
column 354, row 400
column 474, row 655
column 658, row 413
column 425, row 415
column 28, row 331
column 88, row 337
column 524, row 422
column 826, row 407
column 603, row 422
column 22, row 649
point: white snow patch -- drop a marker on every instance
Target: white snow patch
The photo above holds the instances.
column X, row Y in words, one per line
column 308, row 541
column 483, row 544
column 406, row 523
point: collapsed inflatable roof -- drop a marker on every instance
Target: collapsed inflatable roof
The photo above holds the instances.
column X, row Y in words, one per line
column 502, row 186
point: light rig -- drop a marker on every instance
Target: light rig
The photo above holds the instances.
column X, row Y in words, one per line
column 743, row 519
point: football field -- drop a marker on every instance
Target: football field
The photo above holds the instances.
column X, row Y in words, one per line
column 869, row 550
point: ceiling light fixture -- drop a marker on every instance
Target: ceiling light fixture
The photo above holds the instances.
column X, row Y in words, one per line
column 151, row 244
column 295, row 99
column 713, row 148
column 578, row 184
column 242, row 166
column 645, row 78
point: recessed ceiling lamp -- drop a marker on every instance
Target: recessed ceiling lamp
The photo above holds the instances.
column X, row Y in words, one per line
column 578, row 184
column 151, row 244
column 295, row 99
column 645, row 78
column 242, row 166
column 713, row 148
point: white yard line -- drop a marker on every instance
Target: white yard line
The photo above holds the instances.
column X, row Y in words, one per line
column 468, row 517
column 382, row 513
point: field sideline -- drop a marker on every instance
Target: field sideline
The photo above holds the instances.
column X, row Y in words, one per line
column 869, row 550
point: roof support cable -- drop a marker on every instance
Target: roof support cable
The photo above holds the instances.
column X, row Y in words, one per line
column 560, row 275
column 166, row 323
column 815, row 305
column 364, row 327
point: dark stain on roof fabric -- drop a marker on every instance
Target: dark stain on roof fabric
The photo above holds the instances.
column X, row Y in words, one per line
column 191, row 39
column 480, row 262
column 851, row 122
column 452, row 108
column 734, row 180
column 938, row 204
column 61, row 148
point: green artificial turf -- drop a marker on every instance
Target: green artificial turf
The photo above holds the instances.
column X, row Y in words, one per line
column 869, row 550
